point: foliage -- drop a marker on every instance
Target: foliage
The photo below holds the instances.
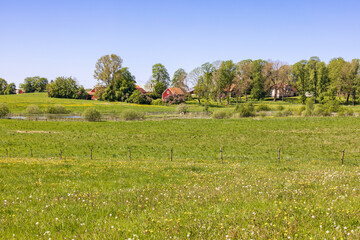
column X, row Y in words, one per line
column 4, row 110
column 180, row 80
column 220, row 114
column 132, row 115
column 56, row 109
column 160, row 74
column 158, row 90
column 158, row 102
column 263, row 107
column 174, row 99
column 3, row 86
column 182, row 108
column 106, row 67
column 121, row 88
column 65, row 87
column 245, row 110
column 10, row 89
column 309, row 109
column 33, row 109
column 32, row 84
column 139, row 98
column 224, row 78
column 92, row 115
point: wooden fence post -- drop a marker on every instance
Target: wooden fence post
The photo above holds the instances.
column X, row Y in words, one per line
column 221, row 155
column 31, row 153
column 279, row 154
column 171, row 157
column 342, row 157
column 7, row 153
column 60, row 154
column 91, row 153
column 129, row 154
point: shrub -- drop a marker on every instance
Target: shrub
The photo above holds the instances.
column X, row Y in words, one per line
column 57, row 109
column 139, row 98
column 92, row 115
column 132, row 115
column 206, row 107
column 309, row 108
column 182, row 108
column 33, row 109
column 174, row 99
column 300, row 110
column 280, row 108
column 262, row 113
column 4, row 110
column 245, row 110
column 345, row 112
column 220, row 114
column 263, row 107
column 157, row 102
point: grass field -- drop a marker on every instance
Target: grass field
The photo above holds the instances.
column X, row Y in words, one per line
column 309, row 194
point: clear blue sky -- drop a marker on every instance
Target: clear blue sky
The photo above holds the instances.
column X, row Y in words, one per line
column 65, row 38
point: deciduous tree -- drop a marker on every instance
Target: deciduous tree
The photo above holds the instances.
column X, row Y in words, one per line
column 106, row 67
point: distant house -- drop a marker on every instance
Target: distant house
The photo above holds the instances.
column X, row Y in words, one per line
column 172, row 91
column 92, row 94
column 140, row 89
column 288, row 91
column 19, row 91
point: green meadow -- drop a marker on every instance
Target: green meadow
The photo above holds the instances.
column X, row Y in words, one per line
column 75, row 179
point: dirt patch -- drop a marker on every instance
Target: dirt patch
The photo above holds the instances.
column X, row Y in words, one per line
column 20, row 131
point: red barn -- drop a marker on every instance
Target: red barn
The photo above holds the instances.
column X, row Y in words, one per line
column 172, row 91
column 92, row 94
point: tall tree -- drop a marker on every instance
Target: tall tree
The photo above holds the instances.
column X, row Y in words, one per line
column 180, row 80
column 317, row 76
column 160, row 74
column 335, row 69
column 106, row 67
column 243, row 77
column 10, row 89
column 300, row 76
column 32, row 84
column 271, row 75
column 284, row 79
column 3, row 86
column 122, row 86
column 257, row 79
column 66, row 87
column 225, row 79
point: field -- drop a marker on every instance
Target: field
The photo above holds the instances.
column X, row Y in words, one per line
column 250, row 195
column 75, row 179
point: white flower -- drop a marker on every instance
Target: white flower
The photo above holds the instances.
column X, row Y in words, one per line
column 37, row 223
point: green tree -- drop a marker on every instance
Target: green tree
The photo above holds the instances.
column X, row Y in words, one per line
column 158, row 90
column 258, row 83
column 160, row 74
column 121, row 87
column 244, row 78
column 106, row 67
column 32, row 84
column 10, row 89
column 180, row 80
column 63, row 87
column 335, row 73
column 3, row 86
column 224, row 81
column 318, row 78
column 300, row 76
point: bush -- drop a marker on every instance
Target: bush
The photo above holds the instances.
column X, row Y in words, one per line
column 220, row 114
column 263, row 107
column 182, row 108
column 57, row 109
column 139, row 98
column 300, row 110
column 206, row 107
column 92, row 115
column 132, row 115
column 157, row 102
column 262, row 113
column 309, row 108
column 280, row 108
column 33, row 109
column 346, row 112
column 245, row 110
column 174, row 99
column 4, row 110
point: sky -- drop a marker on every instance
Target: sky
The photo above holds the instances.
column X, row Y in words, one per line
column 67, row 37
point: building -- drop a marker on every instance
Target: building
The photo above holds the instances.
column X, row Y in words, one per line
column 288, row 91
column 140, row 89
column 92, row 94
column 172, row 91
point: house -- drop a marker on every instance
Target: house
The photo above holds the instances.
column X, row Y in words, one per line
column 288, row 91
column 143, row 92
column 19, row 91
column 172, row 91
column 92, row 94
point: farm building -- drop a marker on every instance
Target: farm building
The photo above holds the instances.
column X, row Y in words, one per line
column 288, row 91
column 92, row 94
column 140, row 89
column 172, row 91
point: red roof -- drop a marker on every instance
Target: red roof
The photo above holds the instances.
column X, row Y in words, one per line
column 176, row 90
column 140, row 89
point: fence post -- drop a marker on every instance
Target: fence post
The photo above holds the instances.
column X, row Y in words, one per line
column 91, row 153
column 342, row 157
column 171, row 158
column 129, row 154
column 221, row 155
column 7, row 153
column 279, row 154
column 31, row 153
column 60, row 154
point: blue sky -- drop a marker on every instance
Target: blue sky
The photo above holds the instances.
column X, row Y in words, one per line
column 66, row 38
